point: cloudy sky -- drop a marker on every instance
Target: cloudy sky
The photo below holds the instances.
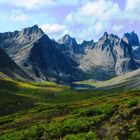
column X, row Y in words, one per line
column 82, row 19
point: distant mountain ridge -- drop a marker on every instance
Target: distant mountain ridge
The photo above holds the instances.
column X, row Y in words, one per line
column 110, row 56
column 65, row 60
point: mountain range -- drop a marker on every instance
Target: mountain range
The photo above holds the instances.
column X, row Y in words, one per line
column 33, row 53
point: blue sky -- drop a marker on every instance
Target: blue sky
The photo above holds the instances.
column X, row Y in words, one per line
column 82, row 19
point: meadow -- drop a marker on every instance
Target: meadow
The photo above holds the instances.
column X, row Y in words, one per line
column 49, row 111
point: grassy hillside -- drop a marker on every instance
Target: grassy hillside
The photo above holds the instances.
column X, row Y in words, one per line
column 130, row 80
column 40, row 111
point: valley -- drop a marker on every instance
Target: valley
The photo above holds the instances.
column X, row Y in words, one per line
column 62, row 90
column 34, row 110
column 69, row 70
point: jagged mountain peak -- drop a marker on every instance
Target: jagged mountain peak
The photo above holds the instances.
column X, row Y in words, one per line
column 86, row 45
column 131, row 38
column 17, row 44
column 67, row 36
column 29, row 34
column 34, row 27
column 130, row 34
column 32, row 30
column 107, row 36
column 67, row 40
column 107, row 40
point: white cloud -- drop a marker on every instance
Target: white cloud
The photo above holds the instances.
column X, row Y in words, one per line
column 18, row 17
column 33, row 4
column 117, row 27
column 133, row 5
column 90, row 19
column 132, row 10
column 53, row 28
column 28, row 4
column 95, row 16
column 100, row 26
column 98, row 16
column 101, row 15
column 69, row 18
column 85, row 34
column 102, row 10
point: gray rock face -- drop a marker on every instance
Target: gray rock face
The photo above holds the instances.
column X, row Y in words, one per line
column 75, row 51
column 9, row 68
column 38, row 55
column 15, row 43
column 69, row 45
column 136, row 53
column 66, row 60
column 109, row 57
column 133, row 40
column 86, row 45
column 48, row 62
column 18, row 44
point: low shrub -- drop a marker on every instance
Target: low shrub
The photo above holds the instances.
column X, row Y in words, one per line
column 105, row 109
column 133, row 103
column 81, row 136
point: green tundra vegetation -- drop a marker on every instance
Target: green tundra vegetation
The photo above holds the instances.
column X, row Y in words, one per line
column 49, row 111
